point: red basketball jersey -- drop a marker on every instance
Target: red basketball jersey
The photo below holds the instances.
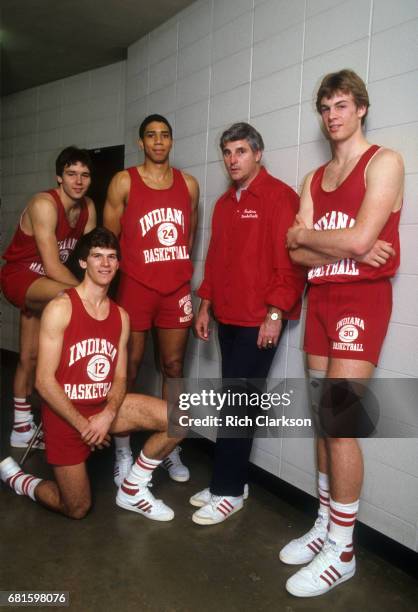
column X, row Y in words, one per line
column 23, row 249
column 89, row 353
column 155, row 229
column 337, row 209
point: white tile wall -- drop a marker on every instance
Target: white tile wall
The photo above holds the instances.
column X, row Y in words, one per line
column 401, row 90
column 227, row 11
column 278, row 52
column 385, row 17
column 260, row 60
column 340, row 25
column 229, row 106
column 232, row 37
column 273, row 16
column 231, row 72
column 194, row 56
column 279, row 128
column 394, row 51
column 269, row 93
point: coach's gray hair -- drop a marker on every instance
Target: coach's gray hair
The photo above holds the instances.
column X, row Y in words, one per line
column 242, row 131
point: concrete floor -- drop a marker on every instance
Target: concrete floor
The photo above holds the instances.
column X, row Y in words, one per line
column 117, row 560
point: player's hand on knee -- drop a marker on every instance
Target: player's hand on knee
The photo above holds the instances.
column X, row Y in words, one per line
column 99, row 425
column 104, row 443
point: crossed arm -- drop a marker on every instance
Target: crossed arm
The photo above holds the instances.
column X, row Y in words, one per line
column 93, row 430
column 384, row 179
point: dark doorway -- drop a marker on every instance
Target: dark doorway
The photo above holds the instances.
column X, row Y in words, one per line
column 106, row 162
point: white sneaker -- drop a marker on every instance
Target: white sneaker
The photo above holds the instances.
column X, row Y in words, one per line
column 303, row 550
column 139, row 499
column 176, row 469
column 203, row 497
column 219, row 508
column 10, row 472
column 21, row 439
column 123, row 464
column 333, row 565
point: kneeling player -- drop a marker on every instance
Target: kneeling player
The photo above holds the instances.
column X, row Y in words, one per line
column 81, row 375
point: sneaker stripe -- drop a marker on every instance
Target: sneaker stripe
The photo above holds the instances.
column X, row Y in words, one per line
column 313, row 548
column 128, row 491
column 227, row 504
column 317, row 545
column 22, row 428
column 326, row 580
column 336, row 572
column 143, row 504
column 346, row 556
column 222, row 510
column 330, row 576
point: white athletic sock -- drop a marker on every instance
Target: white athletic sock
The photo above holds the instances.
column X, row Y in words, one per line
column 323, row 492
column 122, row 443
column 24, row 484
column 342, row 520
column 23, row 417
column 142, row 469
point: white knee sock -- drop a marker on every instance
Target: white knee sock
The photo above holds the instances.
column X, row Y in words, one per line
column 23, row 416
column 142, row 469
column 122, row 443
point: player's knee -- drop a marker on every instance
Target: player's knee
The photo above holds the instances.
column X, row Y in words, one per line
column 79, row 509
column 172, row 368
column 344, row 413
column 27, row 360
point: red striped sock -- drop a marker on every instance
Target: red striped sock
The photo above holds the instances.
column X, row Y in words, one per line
column 23, row 484
column 342, row 521
column 142, row 469
column 23, row 416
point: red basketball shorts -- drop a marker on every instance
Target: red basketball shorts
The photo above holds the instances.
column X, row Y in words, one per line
column 63, row 443
column 15, row 281
column 348, row 320
column 148, row 308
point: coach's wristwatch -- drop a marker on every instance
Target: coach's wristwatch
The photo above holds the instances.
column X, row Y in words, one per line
column 275, row 316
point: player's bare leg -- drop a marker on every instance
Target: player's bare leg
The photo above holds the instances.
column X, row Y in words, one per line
column 23, row 423
column 42, row 291
column 69, row 494
column 142, row 412
column 136, row 350
column 123, row 452
column 172, row 344
column 28, row 352
column 335, row 561
column 39, row 293
column 344, row 454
